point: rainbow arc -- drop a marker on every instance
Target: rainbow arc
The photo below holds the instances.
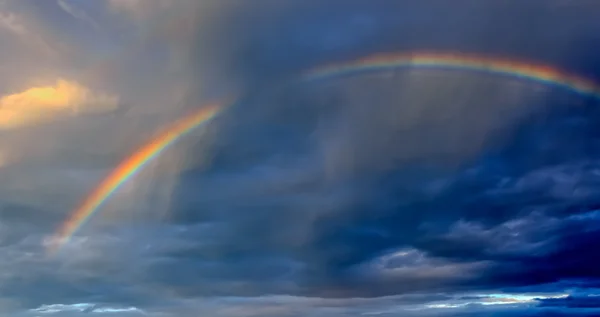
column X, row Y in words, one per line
column 133, row 164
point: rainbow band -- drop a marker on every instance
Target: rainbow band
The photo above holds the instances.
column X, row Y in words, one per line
column 133, row 164
column 527, row 71
column 130, row 167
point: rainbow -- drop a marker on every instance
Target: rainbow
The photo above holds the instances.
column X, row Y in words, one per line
column 134, row 163
column 129, row 168
column 457, row 61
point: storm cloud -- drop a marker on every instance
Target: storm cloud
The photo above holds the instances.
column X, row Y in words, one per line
column 404, row 191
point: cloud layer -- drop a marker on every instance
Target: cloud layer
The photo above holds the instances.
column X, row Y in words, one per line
column 412, row 192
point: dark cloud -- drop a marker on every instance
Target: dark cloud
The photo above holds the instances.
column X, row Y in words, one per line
column 351, row 191
column 269, row 39
column 572, row 302
column 401, row 192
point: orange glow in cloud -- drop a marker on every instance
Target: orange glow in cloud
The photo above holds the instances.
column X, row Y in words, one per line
column 41, row 104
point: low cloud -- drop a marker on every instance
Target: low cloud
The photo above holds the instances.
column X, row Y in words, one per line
column 85, row 308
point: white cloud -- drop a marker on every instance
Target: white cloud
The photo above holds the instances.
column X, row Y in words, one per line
column 60, row 308
column 84, row 307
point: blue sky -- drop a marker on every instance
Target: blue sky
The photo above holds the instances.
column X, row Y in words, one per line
column 408, row 192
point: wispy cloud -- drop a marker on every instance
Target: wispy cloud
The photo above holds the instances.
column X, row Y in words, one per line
column 78, row 14
column 87, row 308
column 18, row 26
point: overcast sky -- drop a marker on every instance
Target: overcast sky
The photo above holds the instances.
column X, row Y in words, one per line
column 404, row 192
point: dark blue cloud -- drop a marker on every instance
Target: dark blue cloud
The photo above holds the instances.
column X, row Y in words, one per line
column 266, row 40
column 572, row 302
column 499, row 214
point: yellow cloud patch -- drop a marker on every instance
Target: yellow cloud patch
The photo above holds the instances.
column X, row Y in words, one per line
column 41, row 104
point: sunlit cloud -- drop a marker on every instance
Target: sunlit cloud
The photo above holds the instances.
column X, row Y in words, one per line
column 41, row 104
